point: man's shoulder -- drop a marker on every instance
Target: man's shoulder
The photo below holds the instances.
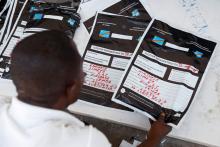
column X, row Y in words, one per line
column 73, row 129
column 74, row 134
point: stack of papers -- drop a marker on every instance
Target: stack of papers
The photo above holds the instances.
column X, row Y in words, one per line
column 7, row 12
column 30, row 17
column 157, row 70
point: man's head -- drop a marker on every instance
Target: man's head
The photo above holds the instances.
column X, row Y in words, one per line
column 46, row 69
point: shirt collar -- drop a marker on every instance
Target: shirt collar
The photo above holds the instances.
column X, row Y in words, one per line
column 30, row 115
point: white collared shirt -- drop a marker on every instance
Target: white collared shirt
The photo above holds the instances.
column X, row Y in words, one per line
column 24, row 125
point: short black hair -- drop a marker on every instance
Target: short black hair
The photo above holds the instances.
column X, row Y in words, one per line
column 43, row 64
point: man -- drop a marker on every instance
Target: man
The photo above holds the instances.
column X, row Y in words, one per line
column 46, row 69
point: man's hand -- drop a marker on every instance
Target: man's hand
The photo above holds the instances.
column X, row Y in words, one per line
column 158, row 131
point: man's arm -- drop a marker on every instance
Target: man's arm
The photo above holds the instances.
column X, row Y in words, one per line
column 157, row 132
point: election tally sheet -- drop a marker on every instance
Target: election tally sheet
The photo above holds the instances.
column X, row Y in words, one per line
column 132, row 8
column 165, row 72
column 34, row 17
column 110, row 47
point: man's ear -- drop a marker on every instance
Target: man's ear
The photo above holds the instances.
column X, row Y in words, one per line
column 72, row 92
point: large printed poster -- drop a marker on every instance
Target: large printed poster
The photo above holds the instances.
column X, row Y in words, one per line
column 111, row 45
column 165, row 72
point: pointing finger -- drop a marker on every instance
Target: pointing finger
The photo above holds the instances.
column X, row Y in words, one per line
column 161, row 117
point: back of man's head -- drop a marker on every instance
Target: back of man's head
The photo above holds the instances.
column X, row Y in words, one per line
column 42, row 65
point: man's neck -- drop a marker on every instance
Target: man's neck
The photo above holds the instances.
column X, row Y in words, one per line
column 58, row 105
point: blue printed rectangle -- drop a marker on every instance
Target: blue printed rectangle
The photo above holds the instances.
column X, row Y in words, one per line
column 198, row 54
column 104, row 34
column 71, row 21
column 158, row 40
column 38, row 16
column 135, row 13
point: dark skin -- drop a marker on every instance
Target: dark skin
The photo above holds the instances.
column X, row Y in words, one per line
column 158, row 129
column 71, row 93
